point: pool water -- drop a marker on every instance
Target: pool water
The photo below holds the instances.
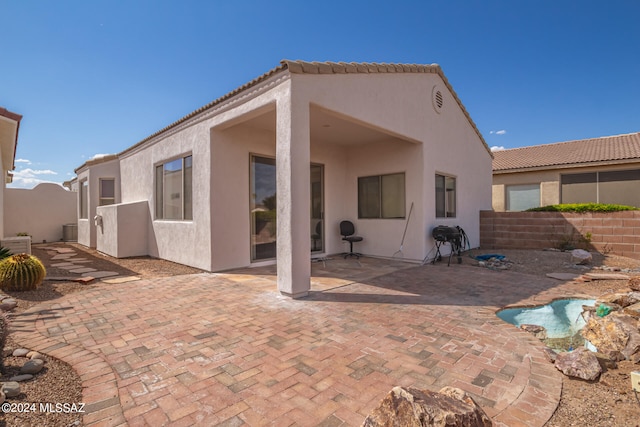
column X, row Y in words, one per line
column 562, row 319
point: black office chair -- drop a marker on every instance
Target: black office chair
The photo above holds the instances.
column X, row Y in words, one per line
column 348, row 231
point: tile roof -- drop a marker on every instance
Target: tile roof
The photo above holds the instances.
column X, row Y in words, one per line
column 304, row 67
column 608, row 149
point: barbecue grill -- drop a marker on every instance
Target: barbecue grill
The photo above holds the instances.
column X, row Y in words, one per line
column 451, row 235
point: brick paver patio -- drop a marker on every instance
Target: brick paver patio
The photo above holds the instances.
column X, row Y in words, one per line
column 229, row 350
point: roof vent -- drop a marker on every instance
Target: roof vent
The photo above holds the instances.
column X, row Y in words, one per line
column 437, row 99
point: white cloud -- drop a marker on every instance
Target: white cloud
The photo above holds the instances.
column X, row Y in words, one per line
column 498, row 132
column 497, row 148
column 98, row 156
column 23, row 161
column 29, row 178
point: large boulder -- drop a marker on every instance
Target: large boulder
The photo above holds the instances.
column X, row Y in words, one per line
column 616, row 335
column 410, row 407
column 579, row 363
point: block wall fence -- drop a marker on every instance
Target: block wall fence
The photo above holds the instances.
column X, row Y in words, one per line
column 615, row 232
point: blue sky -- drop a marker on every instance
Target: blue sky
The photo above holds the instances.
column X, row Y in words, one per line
column 95, row 77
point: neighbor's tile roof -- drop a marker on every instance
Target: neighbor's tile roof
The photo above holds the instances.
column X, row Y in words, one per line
column 304, row 67
column 572, row 153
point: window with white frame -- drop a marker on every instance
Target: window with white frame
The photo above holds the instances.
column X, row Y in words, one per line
column 83, row 199
column 381, row 196
column 174, row 195
column 445, row 196
column 107, row 191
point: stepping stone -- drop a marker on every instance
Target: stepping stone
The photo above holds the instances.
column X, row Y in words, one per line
column 78, row 259
column 63, row 264
column 83, row 270
column 65, row 251
column 101, row 274
column 70, row 267
column 563, row 276
column 121, row 280
column 63, row 256
column 606, row 276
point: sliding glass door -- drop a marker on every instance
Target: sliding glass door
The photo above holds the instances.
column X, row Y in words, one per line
column 263, row 208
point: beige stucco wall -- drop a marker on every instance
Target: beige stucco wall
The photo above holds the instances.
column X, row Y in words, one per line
column 2, row 190
column 41, row 211
column 123, row 231
column 549, row 181
column 421, row 143
column 186, row 242
column 93, row 174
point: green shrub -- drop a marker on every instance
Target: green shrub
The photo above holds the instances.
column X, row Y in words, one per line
column 4, row 253
column 21, row 272
column 583, row 207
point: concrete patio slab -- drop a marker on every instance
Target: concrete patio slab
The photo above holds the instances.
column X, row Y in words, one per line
column 209, row 349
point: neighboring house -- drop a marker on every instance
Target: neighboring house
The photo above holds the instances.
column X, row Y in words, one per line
column 269, row 170
column 599, row 170
column 9, row 127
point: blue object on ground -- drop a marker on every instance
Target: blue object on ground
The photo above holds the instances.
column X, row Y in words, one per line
column 489, row 256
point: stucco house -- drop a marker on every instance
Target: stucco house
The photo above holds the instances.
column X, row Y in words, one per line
column 599, row 170
column 9, row 129
column 269, row 170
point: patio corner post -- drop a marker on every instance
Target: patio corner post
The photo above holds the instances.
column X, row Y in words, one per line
column 292, row 189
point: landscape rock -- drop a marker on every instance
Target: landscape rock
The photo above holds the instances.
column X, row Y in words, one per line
column 538, row 331
column 550, row 354
column 10, row 388
column 8, row 304
column 34, row 355
column 20, row 352
column 634, row 283
column 633, row 310
column 2, row 397
column 620, row 299
column 615, row 335
column 579, row 363
column 410, row 407
column 32, row 366
column 581, row 257
column 606, row 362
column 21, row 378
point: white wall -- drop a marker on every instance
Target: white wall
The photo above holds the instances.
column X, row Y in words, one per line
column 2, row 190
column 123, row 232
column 93, row 174
column 41, row 212
column 185, row 242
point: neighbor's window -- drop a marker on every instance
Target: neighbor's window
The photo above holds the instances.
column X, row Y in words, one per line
column 522, row 197
column 381, row 196
column 174, row 189
column 107, row 191
column 83, row 199
column 445, row 196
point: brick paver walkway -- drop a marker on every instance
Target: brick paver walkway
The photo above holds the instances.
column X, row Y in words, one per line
column 229, row 350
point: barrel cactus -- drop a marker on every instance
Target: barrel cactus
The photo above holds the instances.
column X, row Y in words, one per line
column 21, row 272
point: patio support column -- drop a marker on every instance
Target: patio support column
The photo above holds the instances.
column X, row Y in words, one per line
column 293, row 195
